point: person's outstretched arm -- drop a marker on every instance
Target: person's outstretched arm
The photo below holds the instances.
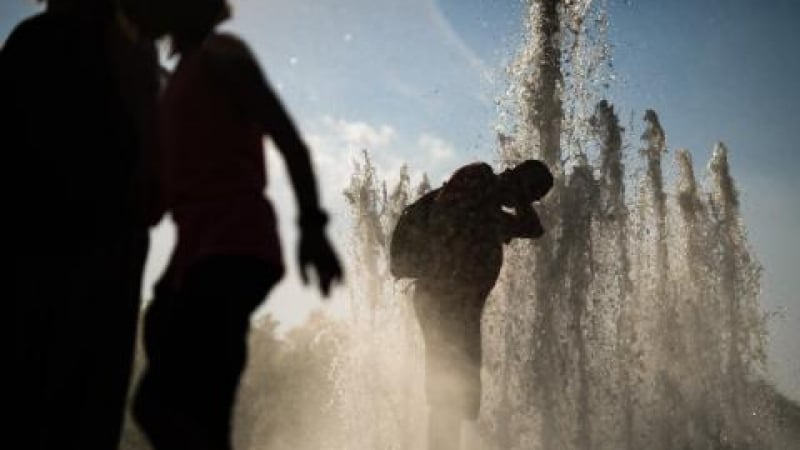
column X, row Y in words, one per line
column 315, row 249
column 257, row 101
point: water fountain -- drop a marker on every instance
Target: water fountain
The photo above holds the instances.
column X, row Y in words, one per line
column 640, row 312
column 635, row 322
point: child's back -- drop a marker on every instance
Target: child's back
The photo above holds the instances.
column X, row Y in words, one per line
column 214, row 172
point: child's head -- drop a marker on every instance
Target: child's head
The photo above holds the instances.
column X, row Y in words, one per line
column 529, row 180
column 186, row 22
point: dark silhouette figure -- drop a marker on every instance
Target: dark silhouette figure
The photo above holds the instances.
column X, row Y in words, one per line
column 455, row 246
column 78, row 86
column 214, row 113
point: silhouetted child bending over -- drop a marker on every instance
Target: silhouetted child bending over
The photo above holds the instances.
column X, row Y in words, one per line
column 451, row 241
column 214, row 113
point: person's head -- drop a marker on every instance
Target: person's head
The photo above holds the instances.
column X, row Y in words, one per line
column 186, row 22
column 529, row 180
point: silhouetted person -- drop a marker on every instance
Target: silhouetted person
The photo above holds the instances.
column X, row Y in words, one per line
column 459, row 231
column 78, row 88
column 216, row 109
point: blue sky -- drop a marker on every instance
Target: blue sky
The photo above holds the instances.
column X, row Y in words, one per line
column 416, row 81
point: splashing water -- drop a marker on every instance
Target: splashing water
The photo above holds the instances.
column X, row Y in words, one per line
column 637, row 323
column 633, row 323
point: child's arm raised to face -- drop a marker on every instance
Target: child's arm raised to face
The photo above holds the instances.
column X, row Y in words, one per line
column 524, row 223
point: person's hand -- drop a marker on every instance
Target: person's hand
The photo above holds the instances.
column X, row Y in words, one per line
column 316, row 253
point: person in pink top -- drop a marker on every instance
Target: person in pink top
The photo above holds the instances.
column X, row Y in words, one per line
column 213, row 115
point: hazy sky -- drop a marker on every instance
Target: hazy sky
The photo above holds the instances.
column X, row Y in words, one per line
column 416, row 81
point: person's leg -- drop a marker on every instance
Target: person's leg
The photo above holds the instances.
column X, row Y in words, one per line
column 154, row 406
column 453, row 378
column 470, row 372
column 471, row 351
column 108, row 373
column 196, row 344
column 439, row 314
column 450, row 319
column 90, row 350
column 29, row 386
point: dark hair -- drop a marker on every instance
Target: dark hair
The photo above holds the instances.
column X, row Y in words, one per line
column 534, row 174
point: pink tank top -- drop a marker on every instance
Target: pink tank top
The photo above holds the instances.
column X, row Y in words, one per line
column 213, row 172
